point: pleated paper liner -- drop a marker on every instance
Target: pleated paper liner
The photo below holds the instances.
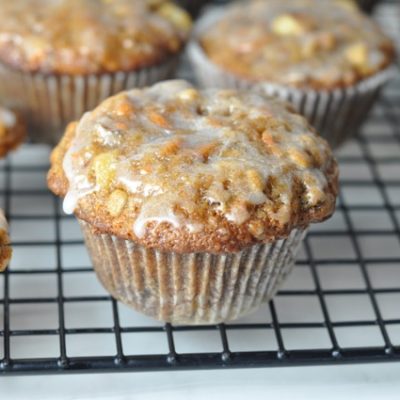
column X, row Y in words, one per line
column 193, row 288
column 337, row 114
column 49, row 102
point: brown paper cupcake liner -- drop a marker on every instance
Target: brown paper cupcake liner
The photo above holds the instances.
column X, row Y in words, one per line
column 193, row 288
column 49, row 102
column 337, row 114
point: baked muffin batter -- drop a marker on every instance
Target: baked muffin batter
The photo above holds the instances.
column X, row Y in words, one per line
column 12, row 131
column 89, row 36
column 180, row 169
column 322, row 44
column 5, row 250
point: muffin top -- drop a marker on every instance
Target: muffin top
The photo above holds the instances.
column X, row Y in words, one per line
column 89, row 36
column 317, row 44
column 175, row 168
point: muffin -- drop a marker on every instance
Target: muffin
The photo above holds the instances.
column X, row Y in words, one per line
column 325, row 57
column 5, row 249
column 12, row 131
column 59, row 58
column 193, row 203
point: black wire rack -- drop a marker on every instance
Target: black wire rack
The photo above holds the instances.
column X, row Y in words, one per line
column 339, row 306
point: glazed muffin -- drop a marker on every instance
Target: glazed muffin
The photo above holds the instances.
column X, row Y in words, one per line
column 59, row 58
column 12, row 131
column 193, row 203
column 5, row 249
column 323, row 56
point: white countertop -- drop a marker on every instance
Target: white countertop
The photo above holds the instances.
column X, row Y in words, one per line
column 374, row 381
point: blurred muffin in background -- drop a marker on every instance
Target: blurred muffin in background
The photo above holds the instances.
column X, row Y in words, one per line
column 323, row 56
column 12, row 130
column 59, row 58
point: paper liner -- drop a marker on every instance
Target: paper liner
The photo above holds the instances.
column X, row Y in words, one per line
column 49, row 102
column 193, row 288
column 337, row 114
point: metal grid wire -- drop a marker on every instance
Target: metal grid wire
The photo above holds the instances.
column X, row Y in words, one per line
column 339, row 306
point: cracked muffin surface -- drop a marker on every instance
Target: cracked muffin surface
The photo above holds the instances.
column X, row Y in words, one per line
column 302, row 43
column 176, row 168
column 90, row 36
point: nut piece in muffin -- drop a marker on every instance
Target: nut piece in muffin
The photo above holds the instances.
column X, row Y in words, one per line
column 302, row 43
column 193, row 202
column 12, row 131
column 5, row 248
column 60, row 58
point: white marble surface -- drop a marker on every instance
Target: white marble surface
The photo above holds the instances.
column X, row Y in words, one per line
column 366, row 382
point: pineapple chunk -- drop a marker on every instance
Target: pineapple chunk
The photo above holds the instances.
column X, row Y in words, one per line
column 357, row 54
column 175, row 15
column 116, row 202
column 188, row 95
column 287, row 24
column 255, row 180
column 104, row 169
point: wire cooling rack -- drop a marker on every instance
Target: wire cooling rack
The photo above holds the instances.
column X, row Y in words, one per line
column 340, row 305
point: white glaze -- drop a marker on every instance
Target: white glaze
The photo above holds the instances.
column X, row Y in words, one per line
column 161, row 192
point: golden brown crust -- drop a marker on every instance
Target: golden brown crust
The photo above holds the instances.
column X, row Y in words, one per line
column 5, row 249
column 219, row 236
column 301, row 43
column 12, row 137
column 218, row 233
column 85, row 37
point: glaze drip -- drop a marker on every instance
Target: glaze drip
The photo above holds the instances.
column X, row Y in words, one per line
column 178, row 156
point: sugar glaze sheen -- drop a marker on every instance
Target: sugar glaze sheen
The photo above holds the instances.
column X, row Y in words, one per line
column 171, row 157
